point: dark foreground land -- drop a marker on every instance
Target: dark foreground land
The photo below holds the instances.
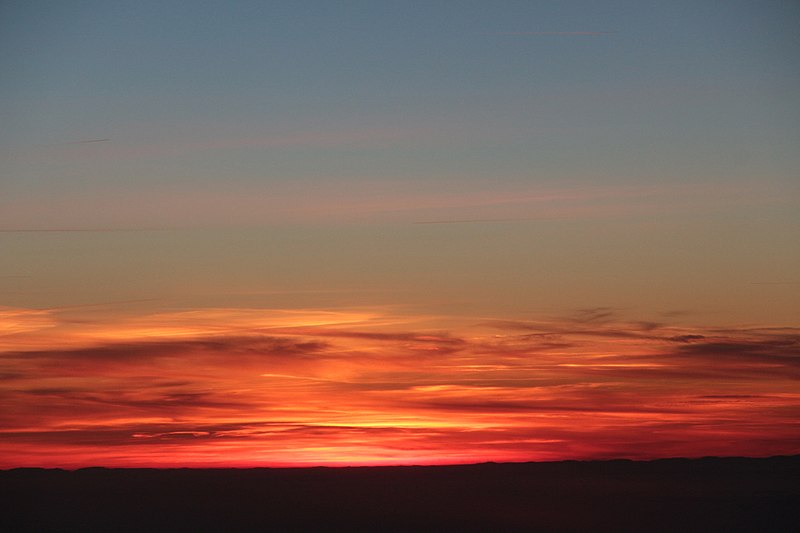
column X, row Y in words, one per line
column 710, row 494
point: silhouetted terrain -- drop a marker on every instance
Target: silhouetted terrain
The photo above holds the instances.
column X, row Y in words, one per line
column 711, row 494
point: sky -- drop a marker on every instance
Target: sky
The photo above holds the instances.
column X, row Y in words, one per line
column 348, row 233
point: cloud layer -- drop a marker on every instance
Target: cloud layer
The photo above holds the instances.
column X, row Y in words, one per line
column 244, row 387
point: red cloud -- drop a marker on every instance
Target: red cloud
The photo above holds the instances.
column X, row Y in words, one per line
column 254, row 387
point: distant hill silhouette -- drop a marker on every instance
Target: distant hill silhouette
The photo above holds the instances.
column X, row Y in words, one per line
column 709, row 494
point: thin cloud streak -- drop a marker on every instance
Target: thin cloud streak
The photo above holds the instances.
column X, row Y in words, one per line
column 475, row 221
column 357, row 201
column 87, row 141
column 535, row 33
column 298, row 139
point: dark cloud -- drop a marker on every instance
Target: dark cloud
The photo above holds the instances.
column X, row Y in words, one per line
column 173, row 403
column 136, row 434
column 442, row 338
column 148, row 350
column 732, row 396
column 571, row 336
column 594, row 315
column 781, row 350
column 783, row 341
column 686, row 338
column 186, row 433
column 51, row 391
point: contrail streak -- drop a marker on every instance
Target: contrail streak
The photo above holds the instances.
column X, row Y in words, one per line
column 86, row 141
column 555, row 33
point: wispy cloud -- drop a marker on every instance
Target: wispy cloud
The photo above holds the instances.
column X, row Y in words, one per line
column 332, row 137
column 86, row 141
column 353, row 200
column 538, row 33
column 252, row 386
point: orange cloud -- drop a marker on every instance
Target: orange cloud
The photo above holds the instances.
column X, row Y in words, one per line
column 245, row 387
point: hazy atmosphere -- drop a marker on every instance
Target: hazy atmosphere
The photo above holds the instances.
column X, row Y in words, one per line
column 314, row 232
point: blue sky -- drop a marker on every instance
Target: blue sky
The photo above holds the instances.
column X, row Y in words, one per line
column 680, row 91
column 663, row 133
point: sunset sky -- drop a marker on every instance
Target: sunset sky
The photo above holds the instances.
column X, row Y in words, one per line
column 279, row 233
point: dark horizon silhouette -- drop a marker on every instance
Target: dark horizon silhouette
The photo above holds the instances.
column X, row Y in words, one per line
column 706, row 494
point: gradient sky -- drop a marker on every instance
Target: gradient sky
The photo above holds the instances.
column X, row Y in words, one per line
column 299, row 233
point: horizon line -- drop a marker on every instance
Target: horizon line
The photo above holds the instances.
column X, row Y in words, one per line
column 413, row 465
